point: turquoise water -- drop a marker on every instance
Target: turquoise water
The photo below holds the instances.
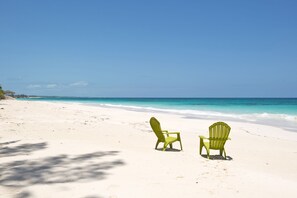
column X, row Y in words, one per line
column 280, row 112
column 225, row 105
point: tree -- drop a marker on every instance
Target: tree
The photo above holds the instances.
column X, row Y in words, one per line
column 1, row 93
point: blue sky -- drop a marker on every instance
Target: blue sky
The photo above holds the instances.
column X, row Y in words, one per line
column 149, row 48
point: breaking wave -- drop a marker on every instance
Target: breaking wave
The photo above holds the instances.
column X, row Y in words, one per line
column 281, row 120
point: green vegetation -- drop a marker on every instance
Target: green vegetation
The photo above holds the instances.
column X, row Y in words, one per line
column 7, row 94
column 1, row 93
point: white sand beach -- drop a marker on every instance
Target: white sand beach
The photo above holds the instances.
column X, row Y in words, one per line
column 79, row 151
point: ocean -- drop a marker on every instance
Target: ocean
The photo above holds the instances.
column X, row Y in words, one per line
column 281, row 112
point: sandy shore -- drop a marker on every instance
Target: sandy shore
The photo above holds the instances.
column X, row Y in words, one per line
column 73, row 150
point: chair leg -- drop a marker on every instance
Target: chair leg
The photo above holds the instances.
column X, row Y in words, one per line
column 221, row 152
column 157, row 144
column 201, row 146
column 207, row 151
column 170, row 146
column 164, row 147
column 181, row 147
column 225, row 153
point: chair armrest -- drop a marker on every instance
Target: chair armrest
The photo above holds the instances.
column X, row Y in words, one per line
column 173, row 132
column 165, row 132
column 177, row 134
column 202, row 137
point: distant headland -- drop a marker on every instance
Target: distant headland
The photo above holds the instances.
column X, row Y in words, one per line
column 8, row 95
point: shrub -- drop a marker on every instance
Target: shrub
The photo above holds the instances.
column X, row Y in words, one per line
column 1, row 93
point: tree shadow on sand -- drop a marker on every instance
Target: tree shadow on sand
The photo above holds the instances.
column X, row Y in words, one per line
column 10, row 142
column 25, row 194
column 23, row 149
column 58, row 169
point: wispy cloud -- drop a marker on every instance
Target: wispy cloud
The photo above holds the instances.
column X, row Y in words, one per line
column 51, row 86
column 55, row 85
column 33, row 86
column 37, row 86
column 79, row 84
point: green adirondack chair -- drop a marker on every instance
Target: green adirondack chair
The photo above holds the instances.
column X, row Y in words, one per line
column 168, row 140
column 218, row 135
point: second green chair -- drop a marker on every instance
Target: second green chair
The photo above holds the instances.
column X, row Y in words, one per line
column 218, row 135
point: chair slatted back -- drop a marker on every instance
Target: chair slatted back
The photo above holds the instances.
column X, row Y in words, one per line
column 155, row 124
column 218, row 135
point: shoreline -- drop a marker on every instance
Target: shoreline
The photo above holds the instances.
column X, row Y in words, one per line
column 89, row 151
column 284, row 121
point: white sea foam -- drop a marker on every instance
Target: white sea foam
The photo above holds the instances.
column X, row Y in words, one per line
column 34, row 97
column 285, row 121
